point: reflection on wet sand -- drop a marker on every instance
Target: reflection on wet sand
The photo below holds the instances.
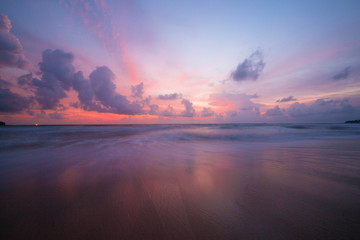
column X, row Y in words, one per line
column 197, row 190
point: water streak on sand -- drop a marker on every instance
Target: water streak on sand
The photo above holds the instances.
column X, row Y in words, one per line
column 232, row 181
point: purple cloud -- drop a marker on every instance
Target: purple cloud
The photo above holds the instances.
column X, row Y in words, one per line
column 171, row 96
column 189, row 109
column 56, row 115
column 11, row 52
column 48, row 91
column 137, row 91
column 250, row 68
column 154, row 109
column 287, row 99
column 274, row 112
column 60, row 65
column 104, row 90
column 169, row 112
column 323, row 111
column 98, row 93
column 12, row 102
column 344, row 74
column 207, row 112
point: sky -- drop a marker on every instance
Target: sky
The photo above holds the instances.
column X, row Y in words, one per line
column 157, row 61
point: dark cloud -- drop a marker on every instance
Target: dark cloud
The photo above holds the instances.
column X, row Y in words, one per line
column 274, row 112
column 189, row 109
column 5, row 84
column 250, row 68
column 11, row 53
column 137, row 91
column 154, row 109
column 323, row 111
column 85, row 92
column 255, row 95
column 98, row 93
column 104, row 90
column 60, row 65
column 56, row 115
column 169, row 112
column 25, row 80
column 48, row 91
column 207, row 112
column 344, row 74
column 145, row 102
column 11, row 102
column 287, row 99
column 171, row 96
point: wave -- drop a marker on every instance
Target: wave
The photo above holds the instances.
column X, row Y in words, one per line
column 29, row 136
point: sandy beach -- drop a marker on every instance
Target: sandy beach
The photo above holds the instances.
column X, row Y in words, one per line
column 155, row 183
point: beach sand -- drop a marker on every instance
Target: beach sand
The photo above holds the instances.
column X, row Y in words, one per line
column 183, row 190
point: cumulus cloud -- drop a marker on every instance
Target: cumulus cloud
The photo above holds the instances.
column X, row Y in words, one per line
column 169, row 112
column 102, row 82
column 11, row 52
column 344, row 74
column 207, row 112
column 189, row 109
column 286, row 99
column 25, row 80
column 56, row 115
column 12, row 102
column 59, row 64
column 255, row 95
column 154, row 109
column 250, row 68
column 323, row 111
column 274, row 112
column 48, row 91
column 4, row 84
column 98, row 93
column 137, row 91
column 171, row 96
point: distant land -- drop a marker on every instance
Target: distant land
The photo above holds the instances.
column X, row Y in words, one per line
column 353, row 121
column 2, row 123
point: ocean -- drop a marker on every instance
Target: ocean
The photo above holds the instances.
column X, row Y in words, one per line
column 203, row 181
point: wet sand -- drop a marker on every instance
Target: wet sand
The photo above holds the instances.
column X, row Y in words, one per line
column 182, row 190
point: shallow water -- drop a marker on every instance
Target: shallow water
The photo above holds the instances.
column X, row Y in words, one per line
column 233, row 181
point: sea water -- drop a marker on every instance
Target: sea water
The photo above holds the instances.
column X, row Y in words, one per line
column 221, row 181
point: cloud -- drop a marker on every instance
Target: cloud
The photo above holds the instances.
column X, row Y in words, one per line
column 239, row 101
column 137, row 90
column 4, row 84
column 250, row 68
column 102, row 83
column 171, row 96
column 207, row 112
column 255, row 95
column 323, row 111
column 154, row 109
column 274, row 112
column 11, row 52
column 169, row 112
column 60, row 65
column 287, row 99
column 25, row 80
column 56, row 115
column 98, row 93
column 344, row 74
column 48, row 91
column 12, row 102
column 189, row 109
column 85, row 92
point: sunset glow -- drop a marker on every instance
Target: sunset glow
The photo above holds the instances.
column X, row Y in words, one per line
column 144, row 61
